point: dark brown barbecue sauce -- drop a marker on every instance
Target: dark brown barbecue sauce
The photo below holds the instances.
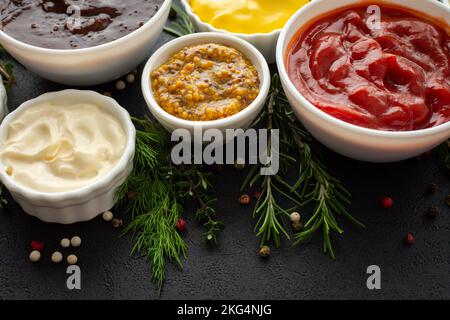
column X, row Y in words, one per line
column 73, row 24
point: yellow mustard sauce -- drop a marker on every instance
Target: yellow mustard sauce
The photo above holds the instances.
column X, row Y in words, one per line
column 246, row 16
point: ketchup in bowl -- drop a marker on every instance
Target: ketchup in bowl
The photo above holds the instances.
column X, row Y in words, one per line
column 393, row 75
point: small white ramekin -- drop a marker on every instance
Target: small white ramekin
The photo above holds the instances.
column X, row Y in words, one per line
column 81, row 204
column 94, row 65
column 266, row 43
column 241, row 120
column 347, row 139
column 3, row 100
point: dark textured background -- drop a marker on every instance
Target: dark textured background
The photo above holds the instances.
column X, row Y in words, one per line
column 232, row 270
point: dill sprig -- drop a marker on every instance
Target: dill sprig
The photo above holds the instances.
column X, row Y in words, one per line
column 6, row 72
column 154, row 207
column 180, row 24
column 157, row 237
column 314, row 185
column 197, row 187
column 154, row 194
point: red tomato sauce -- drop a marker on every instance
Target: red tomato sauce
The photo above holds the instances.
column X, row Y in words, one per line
column 392, row 76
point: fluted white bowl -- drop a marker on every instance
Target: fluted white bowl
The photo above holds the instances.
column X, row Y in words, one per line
column 84, row 203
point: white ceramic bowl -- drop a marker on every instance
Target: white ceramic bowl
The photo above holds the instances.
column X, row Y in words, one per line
column 81, row 204
column 3, row 100
column 90, row 66
column 265, row 42
column 241, row 120
column 347, row 139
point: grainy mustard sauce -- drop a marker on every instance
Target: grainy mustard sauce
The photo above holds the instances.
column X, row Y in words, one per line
column 205, row 82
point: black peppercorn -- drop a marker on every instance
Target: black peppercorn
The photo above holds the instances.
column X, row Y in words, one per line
column 297, row 226
column 432, row 188
column 244, row 199
column 264, row 252
column 433, row 212
column 117, row 223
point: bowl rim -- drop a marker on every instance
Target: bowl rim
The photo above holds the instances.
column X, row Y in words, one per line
column 3, row 100
column 166, row 5
column 246, row 36
column 280, row 58
column 90, row 191
column 198, row 38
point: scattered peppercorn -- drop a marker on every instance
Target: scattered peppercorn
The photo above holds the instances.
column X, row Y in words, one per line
column 35, row 256
column 121, row 85
column 131, row 78
column 264, row 252
column 57, row 257
column 72, row 259
column 131, row 195
column 432, row 188
column 295, row 217
column 181, row 225
column 75, row 241
column 409, row 239
column 117, row 223
column 37, row 245
column 107, row 216
column 433, row 212
column 244, row 199
column 257, row 195
column 65, row 243
column 297, row 226
column 387, row 202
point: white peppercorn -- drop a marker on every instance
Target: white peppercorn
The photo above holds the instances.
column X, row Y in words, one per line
column 35, row 256
column 75, row 241
column 72, row 259
column 57, row 257
column 65, row 243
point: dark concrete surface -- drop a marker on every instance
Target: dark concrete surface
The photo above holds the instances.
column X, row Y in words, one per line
column 232, row 270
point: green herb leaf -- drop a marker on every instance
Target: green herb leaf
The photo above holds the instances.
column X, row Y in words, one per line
column 158, row 188
column 314, row 184
column 181, row 24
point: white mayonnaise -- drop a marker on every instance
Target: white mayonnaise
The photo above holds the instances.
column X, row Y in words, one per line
column 54, row 148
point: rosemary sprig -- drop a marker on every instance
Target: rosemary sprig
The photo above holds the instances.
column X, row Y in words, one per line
column 181, row 24
column 314, row 185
